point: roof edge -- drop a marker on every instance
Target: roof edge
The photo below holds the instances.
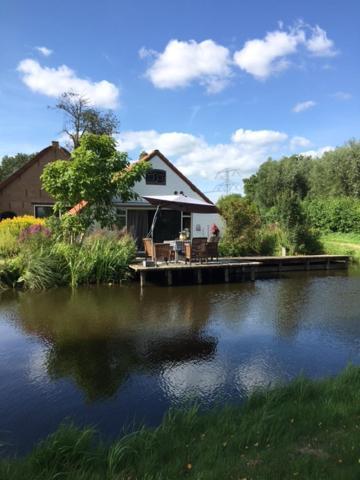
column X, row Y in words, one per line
column 193, row 187
column 29, row 164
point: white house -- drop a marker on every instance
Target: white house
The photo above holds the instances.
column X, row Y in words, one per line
column 165, row 179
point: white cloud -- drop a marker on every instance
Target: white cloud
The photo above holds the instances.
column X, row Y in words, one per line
column 195, row 157
column 342, row 95
column 44, row 51
column 299, row 142
column 55, row 81
column 264, row 57
column 183, row 63
column 319, row 44
column 302, row 106
column 173, row 143
column 319, row 152
column 258, row 137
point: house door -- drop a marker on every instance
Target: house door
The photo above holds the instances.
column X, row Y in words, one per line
column 168, row 225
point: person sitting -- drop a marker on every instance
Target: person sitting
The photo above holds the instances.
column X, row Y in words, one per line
column 214, row 234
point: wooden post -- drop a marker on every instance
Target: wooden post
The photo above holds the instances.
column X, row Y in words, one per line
column 169, row 277
column 198, row 276
column 253, row 274
column 142, row 278
column 328, row 265
column 307, row 264
column 243, row 273
column 227, row 275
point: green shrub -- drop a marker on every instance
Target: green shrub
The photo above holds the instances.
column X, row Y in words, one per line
column 337, row 214
column 10, row 230
column 9, row 273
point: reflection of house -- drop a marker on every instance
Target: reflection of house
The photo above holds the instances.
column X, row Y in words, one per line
column 21, row 193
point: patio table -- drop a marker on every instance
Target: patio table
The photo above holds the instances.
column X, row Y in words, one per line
column 177, row 246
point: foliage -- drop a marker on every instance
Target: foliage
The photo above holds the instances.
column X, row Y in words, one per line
column 337, row 214
column 298, row 236
column 41, row 267
column 81, row 118
column 101, row 258
column 44, row 263
column 337, row 173
column 9, row 273
column 279, row 433
column 245, row 234
column 242, row 221
column 97, row 173
column 10, row 230
column 9, row 164
column 290, row 174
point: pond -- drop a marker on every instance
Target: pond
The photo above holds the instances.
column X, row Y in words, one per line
column 115, row 357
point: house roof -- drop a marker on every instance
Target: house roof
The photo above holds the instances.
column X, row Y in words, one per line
column 77, row 208
column 157, row 153
column 147, row 158
column 30, row 163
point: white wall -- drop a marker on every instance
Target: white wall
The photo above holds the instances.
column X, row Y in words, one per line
column 200, row 222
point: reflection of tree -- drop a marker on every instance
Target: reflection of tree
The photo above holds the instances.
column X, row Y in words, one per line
column 99, row 336
column 291, row 299
column 97, row 366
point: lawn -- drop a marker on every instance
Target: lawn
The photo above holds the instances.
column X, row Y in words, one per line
column 342, row 244
column 306, row 430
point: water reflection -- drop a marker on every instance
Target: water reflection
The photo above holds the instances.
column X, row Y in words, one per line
column 105, row 356
column 98, row 340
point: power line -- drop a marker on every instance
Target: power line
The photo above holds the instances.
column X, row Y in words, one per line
column 228, row 184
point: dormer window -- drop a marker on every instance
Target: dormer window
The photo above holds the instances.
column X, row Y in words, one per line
column 156, row 177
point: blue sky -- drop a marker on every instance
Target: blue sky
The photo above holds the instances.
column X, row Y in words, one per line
column 212, row 84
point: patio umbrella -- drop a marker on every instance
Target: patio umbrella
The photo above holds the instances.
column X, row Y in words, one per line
column 181, row 203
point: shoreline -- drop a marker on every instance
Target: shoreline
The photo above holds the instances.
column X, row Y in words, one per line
column 305, row 429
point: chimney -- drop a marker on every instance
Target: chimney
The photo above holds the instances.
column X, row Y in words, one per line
column 55, row 144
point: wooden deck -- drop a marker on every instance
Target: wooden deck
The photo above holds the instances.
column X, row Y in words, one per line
column 239, row 268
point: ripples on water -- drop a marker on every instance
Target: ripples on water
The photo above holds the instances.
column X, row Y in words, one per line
column 112, row 357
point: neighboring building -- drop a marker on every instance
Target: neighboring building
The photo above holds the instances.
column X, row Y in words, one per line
column 22, row 194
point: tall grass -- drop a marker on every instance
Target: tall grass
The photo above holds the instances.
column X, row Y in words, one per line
column 307, row 430
column 99, row 259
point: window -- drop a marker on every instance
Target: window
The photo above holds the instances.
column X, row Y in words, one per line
column 156, row 177
column 186, row 222
column 43, row 211
column 121, row 217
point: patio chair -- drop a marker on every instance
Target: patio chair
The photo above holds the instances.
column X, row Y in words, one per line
column 196, row 250
column 162, row 251
column 212, row 250
column 148, row 247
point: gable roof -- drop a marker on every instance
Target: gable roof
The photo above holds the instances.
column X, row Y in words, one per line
column 30, row 163
column 157, row 153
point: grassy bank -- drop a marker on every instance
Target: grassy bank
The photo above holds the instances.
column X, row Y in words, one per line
column 307, row 430
column 342, row 244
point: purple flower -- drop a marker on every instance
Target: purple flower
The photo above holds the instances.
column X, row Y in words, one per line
column 34, row 231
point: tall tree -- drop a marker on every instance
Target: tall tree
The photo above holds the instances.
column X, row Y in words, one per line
column 10, row 164
column 82, row 118
column 97, row 173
